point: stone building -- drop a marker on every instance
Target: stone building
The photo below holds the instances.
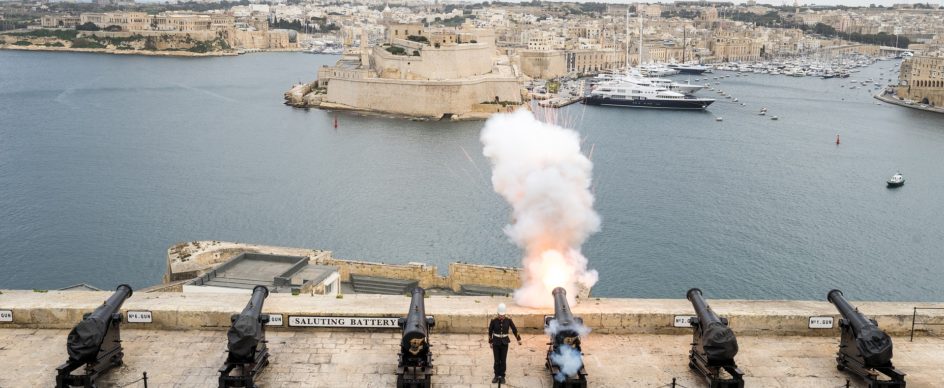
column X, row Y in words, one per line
column 727, row 46
column 921, row 80
column 436, row 80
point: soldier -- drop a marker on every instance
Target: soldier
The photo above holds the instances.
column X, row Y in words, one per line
column 498, row 340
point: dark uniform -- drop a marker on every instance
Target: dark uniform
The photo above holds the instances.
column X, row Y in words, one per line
column 498, row 339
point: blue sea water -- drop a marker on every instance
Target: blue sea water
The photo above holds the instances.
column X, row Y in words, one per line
column 105, row 161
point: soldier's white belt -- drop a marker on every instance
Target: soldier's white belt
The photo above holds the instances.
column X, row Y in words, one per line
column 500, row 335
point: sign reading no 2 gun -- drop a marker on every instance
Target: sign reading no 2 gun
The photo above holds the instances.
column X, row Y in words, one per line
column 369, row 322
column 682, row 321
column 6, row 316
column 139, row 317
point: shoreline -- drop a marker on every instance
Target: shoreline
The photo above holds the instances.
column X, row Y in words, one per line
column 895, row 101
column 146, row 53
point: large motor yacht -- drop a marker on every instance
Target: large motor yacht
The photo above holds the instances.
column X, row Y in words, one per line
column 629, row 94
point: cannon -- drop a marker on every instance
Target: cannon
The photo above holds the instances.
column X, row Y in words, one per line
column 564, row 355
column 94, row 343
column 864, row 349
column 415, row 360
column 713, row 346
column 247, row 352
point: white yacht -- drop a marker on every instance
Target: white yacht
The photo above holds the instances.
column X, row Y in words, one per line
column 656, row 70
column 635, row 77
column 630, row 94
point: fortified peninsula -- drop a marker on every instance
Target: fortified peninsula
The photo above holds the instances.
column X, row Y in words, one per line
column 432, row 73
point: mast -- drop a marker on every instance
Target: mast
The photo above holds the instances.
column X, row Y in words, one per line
column 684, row 45
column 639, row 14
column 627, row 39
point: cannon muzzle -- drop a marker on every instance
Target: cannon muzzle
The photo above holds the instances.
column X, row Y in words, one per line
column 85, row 339
column 415, row 326
column 874, row 346
column 247, row 331
column 717, row 341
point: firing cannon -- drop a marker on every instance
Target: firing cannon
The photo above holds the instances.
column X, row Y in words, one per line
column 415, row 360
column 564, row 355
column 713, row 346
column 248, row 354
column 94, row 343
column 864, row 349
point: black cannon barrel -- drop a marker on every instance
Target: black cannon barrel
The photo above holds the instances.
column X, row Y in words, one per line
column 415, row 326
column 705, row 314
column 86, row 338
column 562, row 312
column 717, row 340
column 858, row 321
column 247, row 331
column 873, row 344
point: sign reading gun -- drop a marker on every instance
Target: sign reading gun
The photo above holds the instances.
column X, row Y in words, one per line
column 713, row 346
column 864, row 349
column 94, row 343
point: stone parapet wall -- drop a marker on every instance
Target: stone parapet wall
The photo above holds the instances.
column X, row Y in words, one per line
column 462, row 314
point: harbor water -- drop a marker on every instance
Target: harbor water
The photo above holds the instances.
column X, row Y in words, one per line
column 106, row 161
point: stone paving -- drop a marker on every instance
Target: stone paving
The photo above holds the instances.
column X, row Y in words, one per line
column 28, row 358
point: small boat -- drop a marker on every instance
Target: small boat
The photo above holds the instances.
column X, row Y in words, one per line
column 775, row 118
column 719, row 118
column 896, row 180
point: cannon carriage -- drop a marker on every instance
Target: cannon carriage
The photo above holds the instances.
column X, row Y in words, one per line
column 864, row 349
column 415, row 359
column 564, row 332
column 94, row 343
column 713, row 346
column 247, row 353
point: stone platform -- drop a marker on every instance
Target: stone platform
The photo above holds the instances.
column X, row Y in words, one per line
column 191, row 358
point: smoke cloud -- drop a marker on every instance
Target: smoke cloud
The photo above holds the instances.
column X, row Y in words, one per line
column 539, row 169
column 568, row 360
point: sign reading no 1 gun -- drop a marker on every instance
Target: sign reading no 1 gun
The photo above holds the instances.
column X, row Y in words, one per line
column 6, row 316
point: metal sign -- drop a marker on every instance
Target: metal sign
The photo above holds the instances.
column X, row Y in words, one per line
column 275, row 320
column 371, row 322
column 139, row 317
column 6, row 315
column 821, row 322
column 682, row 321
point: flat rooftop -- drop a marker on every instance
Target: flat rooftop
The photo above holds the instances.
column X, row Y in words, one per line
column 191, row 358
column 248, row 270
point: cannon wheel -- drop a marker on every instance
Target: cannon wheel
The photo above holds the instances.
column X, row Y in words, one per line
column 692, row 365
column 117, row 359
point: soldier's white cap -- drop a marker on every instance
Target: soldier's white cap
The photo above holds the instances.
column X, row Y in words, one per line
column 501, row 309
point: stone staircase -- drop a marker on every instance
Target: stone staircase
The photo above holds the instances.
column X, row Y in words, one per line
column 375, row 285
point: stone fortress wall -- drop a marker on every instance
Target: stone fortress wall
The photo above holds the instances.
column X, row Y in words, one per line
column 432, row 99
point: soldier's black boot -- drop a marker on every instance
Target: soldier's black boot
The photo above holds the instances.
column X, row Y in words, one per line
column 494, row 379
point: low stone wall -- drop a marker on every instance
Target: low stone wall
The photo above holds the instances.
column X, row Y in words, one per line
column 193, row 259
column 462, row 314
